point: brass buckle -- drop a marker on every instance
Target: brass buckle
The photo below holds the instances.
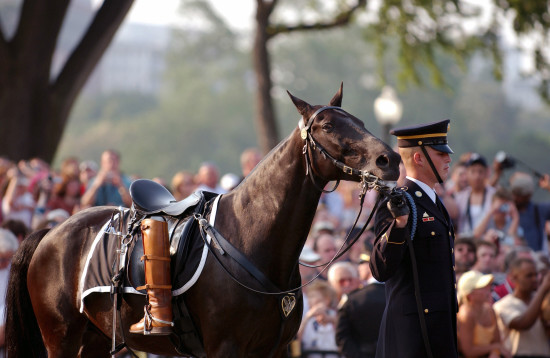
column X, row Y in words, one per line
column 347, row 170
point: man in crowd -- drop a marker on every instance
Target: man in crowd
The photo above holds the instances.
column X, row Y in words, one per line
column 465, row 255
column 519, row 312
column 109, row 186
column 359, row 318
column 474, row 201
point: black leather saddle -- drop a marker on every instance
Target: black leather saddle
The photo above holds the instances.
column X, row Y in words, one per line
column 150, row 197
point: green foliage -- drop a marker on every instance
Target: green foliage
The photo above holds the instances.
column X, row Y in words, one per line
column 206, row 112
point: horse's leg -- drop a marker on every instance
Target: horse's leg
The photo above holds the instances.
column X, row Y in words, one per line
column 53, row 284
column 94, row 343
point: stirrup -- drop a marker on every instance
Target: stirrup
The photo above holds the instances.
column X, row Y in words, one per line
column 148, row 328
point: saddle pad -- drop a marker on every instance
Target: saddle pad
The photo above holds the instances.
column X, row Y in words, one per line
column 99, row 267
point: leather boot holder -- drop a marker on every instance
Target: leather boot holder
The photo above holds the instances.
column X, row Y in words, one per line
column 156, row 249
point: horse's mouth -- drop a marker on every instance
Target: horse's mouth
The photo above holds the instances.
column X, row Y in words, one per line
column 372, row 181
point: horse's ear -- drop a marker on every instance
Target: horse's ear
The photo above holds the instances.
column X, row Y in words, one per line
column 303, row 107
column 337, row 99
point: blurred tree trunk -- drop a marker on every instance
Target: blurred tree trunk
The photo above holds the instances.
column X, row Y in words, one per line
column 265, row 120
column 34, row 107
column 266, row 124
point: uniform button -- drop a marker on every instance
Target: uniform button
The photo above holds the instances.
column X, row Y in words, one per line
column 426, row 311
column 454, row 268
column 449, row 233
column 455, row 286
column 433, row 233
column 452, row 251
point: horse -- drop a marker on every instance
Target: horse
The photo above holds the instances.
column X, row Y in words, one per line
column 267, row 218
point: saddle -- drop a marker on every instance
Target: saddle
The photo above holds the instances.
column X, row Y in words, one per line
column 152, row 199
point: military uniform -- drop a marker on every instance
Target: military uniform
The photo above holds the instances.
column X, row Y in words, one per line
column 433, row 242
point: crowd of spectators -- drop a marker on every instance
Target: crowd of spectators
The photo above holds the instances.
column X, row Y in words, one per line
column 501, row 247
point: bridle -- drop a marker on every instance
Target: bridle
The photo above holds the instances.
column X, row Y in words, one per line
column 368, row 181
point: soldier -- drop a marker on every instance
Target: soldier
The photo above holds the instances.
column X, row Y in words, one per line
column 421, row 306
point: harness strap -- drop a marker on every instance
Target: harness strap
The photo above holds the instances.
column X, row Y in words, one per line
column 155, row 258
column 152, row 285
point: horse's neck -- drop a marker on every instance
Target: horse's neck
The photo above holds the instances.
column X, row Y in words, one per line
column 272, row 210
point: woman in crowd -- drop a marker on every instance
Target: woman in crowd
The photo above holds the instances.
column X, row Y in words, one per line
column 478, row 334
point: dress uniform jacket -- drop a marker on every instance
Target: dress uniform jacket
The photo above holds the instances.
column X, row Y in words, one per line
column 433, row 241
column 359, row 321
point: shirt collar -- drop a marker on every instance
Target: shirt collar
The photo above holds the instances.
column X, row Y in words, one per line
column 424, row 187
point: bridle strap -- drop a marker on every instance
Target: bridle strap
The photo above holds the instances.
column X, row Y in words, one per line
column 305, row 132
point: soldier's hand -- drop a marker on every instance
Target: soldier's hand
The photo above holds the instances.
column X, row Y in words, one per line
column 397, row 205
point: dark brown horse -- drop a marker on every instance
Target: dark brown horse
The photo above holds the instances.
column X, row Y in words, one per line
column 267, row 217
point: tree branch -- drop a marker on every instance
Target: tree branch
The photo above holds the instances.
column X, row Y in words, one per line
column 341, row 19
column 88, row 52
column 38, row 28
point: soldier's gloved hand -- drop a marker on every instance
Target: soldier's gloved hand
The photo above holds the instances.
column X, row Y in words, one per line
column 397, row 205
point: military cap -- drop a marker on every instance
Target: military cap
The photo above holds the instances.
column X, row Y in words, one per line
column 429, row 134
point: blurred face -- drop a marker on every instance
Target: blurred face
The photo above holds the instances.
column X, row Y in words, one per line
column 465, row 257
column 480, row 295
column 477, row 174
column 485, row 259
column 109, row 161
column 364, row 271
column 344, row 282
column 326, row 247
column 208, row 175
column 525, row 277
column 460, row 178
column 521, row 201
column 73, row 188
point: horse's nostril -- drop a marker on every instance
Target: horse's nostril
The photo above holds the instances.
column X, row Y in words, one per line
column 382, row 161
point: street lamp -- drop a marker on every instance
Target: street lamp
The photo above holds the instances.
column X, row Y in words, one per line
column 388, row 111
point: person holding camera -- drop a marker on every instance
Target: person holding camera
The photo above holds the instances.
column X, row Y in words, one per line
column 532, row 215
column 419, row 319
column 110, row 186
column 502, row 219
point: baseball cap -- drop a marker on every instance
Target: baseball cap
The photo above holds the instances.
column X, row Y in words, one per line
column 476, row 158
column 472, row 280
column 308, row 255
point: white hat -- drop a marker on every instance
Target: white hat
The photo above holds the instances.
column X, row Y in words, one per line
column 308, row 255
column 472, row 280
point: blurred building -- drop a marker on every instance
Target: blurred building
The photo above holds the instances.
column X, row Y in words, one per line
column 134, row 62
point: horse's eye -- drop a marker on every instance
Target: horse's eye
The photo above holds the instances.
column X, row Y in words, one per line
column 328, row 127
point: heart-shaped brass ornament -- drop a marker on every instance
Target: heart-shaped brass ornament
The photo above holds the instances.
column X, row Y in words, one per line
column 287, row 304
column 303, row 133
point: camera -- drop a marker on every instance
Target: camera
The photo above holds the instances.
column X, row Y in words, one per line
column 504, row 208
column 505, row 161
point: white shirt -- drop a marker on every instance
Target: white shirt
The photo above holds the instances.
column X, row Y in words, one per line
column 425, row 187
column 527, row 342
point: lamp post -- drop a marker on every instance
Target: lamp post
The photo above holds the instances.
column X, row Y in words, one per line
column 388, row 111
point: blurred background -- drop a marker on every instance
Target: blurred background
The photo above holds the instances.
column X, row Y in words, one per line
column 176, row 86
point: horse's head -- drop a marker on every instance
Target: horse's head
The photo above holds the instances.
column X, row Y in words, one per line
column 340, row 147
